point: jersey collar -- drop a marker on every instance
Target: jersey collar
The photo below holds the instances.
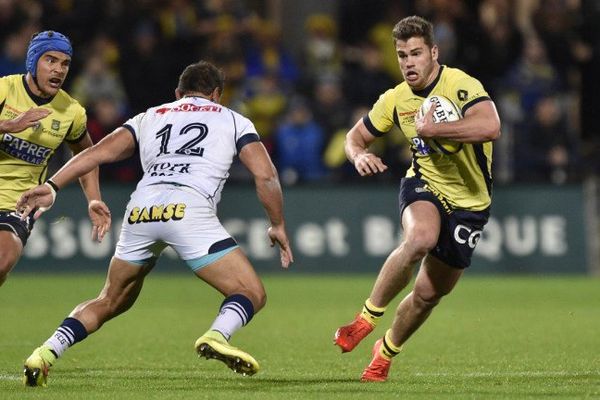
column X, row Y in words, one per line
column 40, row 101
column 426, row 90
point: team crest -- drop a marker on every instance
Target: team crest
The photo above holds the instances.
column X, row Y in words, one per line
column 55, row 125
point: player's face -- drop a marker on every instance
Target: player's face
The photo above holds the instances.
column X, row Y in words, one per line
column 52, row 70
column 417, row 61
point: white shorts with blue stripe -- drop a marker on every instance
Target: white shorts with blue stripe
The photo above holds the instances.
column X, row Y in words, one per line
column 172, row 215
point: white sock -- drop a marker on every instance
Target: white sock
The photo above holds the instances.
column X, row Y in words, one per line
column 236, row 311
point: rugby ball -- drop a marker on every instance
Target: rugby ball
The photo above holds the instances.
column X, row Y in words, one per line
column 445, row 111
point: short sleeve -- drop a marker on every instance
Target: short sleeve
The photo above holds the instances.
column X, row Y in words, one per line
column 133, row 125
column 3, row 89
column 468, row 91
column 245, row 132
column 78, row 127
column 380, row 119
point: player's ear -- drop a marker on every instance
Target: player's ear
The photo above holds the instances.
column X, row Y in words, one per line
column 215, row 96
column 178, row 94
column 434, row 52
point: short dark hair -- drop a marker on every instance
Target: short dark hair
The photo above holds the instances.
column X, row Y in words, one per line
column 201, row 77
column 414, row 26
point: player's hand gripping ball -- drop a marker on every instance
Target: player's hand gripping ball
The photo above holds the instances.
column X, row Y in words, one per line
column 446, row 111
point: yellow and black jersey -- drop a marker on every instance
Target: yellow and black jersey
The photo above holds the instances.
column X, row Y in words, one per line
column 463, row 178
column 24, row 155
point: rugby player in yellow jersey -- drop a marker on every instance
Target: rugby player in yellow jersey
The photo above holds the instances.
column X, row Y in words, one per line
column 444, row 198
column 36, row 116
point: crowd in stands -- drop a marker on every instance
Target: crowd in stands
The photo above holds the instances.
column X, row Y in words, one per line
column 538, row 59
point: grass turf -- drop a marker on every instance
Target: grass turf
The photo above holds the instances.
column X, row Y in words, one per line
column 492, row 338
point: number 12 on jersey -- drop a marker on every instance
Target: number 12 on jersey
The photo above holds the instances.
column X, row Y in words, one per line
column 191, row 147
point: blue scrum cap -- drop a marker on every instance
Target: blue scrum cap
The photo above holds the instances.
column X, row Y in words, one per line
column 43, row 42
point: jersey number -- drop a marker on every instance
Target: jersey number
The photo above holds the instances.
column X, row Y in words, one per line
column 188, row 149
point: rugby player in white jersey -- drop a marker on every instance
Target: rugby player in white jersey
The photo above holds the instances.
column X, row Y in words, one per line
column 186, row 149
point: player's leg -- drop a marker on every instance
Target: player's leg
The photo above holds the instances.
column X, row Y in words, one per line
column 123, row 285
column 421, row 225
column 434, row 280
column 11, row 248
column 235, row 278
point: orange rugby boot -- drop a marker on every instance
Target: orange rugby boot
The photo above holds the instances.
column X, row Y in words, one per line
column 349, row 336
column 378, row 368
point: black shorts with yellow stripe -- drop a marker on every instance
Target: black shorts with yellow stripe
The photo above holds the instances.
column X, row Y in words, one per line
column 11, row 221
column 460, row 229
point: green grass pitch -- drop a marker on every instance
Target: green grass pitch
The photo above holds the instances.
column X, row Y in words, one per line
column 493, row 338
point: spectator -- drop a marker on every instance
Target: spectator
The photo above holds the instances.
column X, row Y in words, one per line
column 499, row 44
column 266, row 55
column 225, row 49
column 532, row 76
column 321, row 51
column 12, row 59
column 365, row 78
column 329, row 105
column 299, row 145
column 548, row 150
column 97, row 80
column 105, row 116
column 266, row 102
column 145, row 71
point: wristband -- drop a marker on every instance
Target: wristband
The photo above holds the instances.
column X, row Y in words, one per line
column 53, row 185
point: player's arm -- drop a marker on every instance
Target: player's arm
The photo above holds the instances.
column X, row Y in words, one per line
column 89, row 182
column 97, row 209
column 117, row 146
column 356, row 147
column 480, row 123
column 255, row 157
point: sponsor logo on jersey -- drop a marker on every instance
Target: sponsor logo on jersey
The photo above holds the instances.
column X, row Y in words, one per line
column 421, row 147
column 55, row 125
column 189, row 107
column 169, row 169
column 24, row 150
column 157, row 213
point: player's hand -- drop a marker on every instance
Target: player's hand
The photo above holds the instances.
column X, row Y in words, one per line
column 368, row 164
column 100, row 217
column 425, row 125
column 26, row 120
column 278, row 236
column 40, row 197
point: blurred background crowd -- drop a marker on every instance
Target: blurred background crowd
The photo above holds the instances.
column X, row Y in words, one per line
column 304, row 72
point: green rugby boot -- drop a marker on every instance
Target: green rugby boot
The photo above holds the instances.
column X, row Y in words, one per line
column 35, row 370
column 213, row 345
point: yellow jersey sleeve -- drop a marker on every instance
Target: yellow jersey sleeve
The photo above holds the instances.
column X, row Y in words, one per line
column 467, row 91
column 78, row 127
column 3, row 89
column 380, row 119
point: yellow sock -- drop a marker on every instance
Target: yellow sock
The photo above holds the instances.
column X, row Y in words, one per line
column 371, row 313
column 388, row 349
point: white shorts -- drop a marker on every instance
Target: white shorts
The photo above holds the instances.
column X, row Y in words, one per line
column 172, row 215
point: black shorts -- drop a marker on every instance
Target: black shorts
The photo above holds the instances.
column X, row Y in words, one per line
column 10, row 221
column 460, row 229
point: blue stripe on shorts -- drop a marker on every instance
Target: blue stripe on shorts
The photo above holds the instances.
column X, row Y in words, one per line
column 197, row 263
